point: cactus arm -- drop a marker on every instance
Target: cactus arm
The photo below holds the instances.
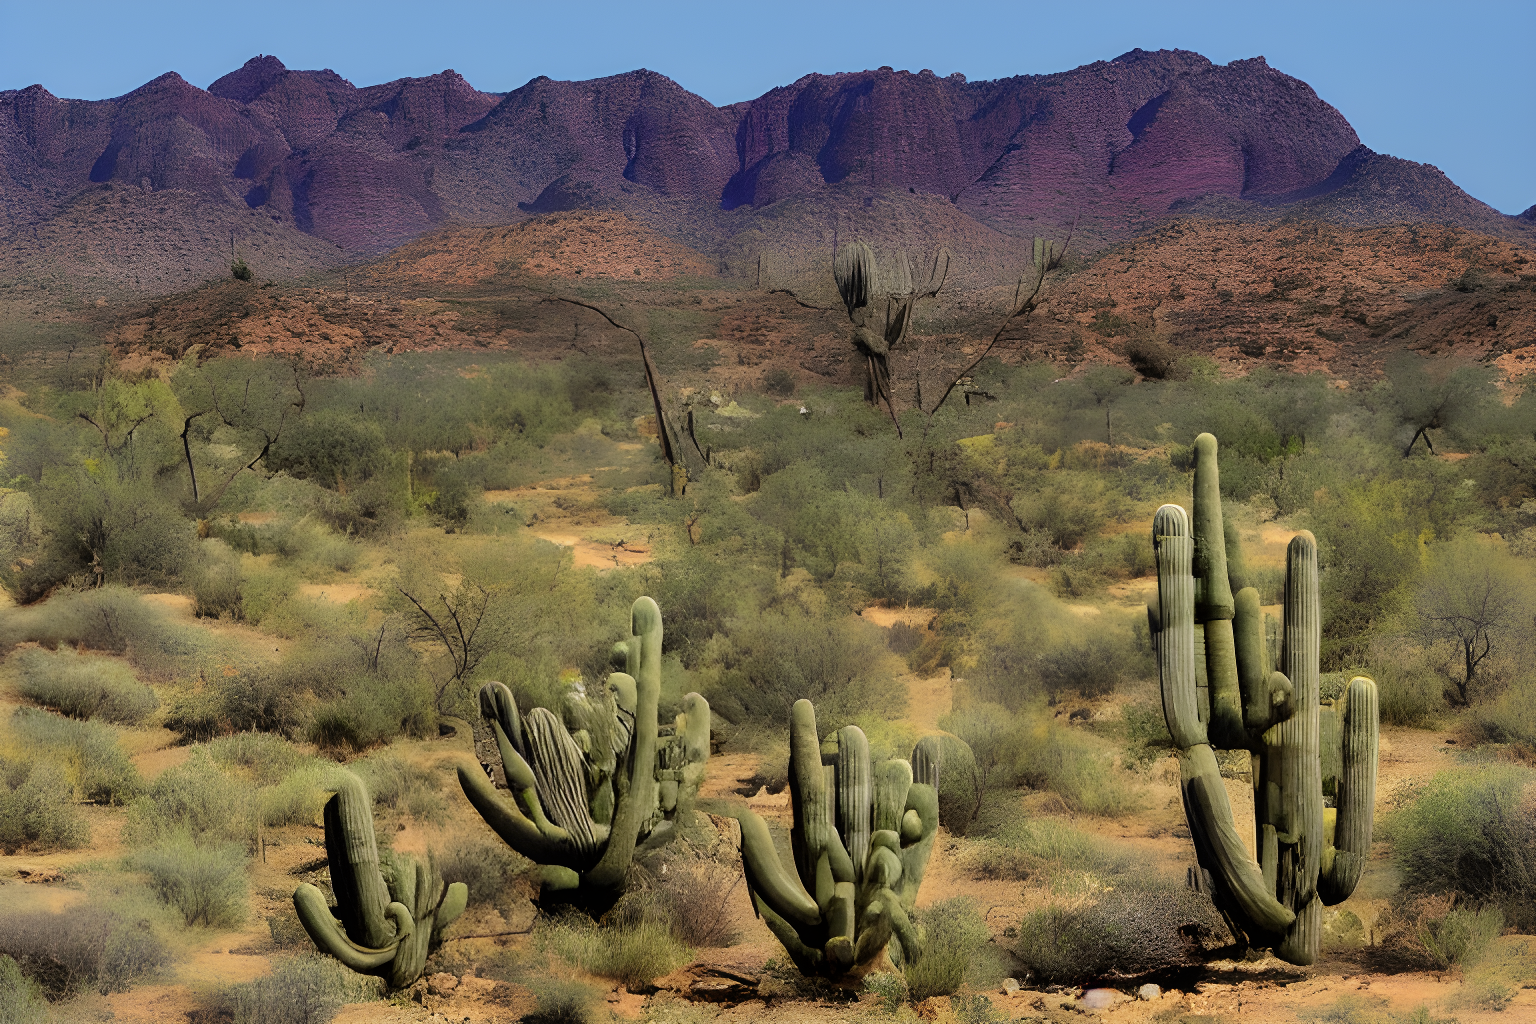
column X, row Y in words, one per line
column 767, row 877
column 524, row 789
column 855, row 795
column 1252, row 666
column 810, row 810
column 892, row 780
column 1222, row 851
column 922, row 804
column 1174, row 548
column 901, row 925
column 361, row 895
column 1357, row 793
column 514, row 829
column 806, row 957
column 925, row 762
column 636, row 779
column 328, row 936
column 497, row 705
column 448, row 911
column 693, row 727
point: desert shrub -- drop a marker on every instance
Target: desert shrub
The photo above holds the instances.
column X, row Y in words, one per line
column 36, row 808
column 1460, row 935
column 1139, row 926
column 1041, row 848
column 205, row 884
column 217, row 581
column 1145, row 731
column 1078, row 769
column 21, row 998
column 563, row 1002
column 634, row 953
column 402, row 787
column 959, row 785
column 890, row 989
column 773, row 660
column 102, row 619
column 486, row 866
column 195, row 800
column 955, row 932
column 779, row 382
column 268, row 758
column 373, row 710
column 1409, row 691
column 1089, row 667
column 234, row 701
column 693, row 898
column 302, row 989
column 88, row 752
column 83, row 686
column 1510, row 719
column 84, row 947
column 296, row 800
column 1473, row 832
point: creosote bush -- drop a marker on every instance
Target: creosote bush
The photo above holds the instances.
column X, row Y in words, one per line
column 302, row 989
column 1460, row 936
column 21, row 998
column 85, row 686
column 197, row 801
column 83, row 948
column 955, row 937
column 632, row 952
column 89, row 754
column 205, row 884
column 36, row 808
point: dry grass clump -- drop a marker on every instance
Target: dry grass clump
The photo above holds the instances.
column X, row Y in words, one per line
column 83, row 948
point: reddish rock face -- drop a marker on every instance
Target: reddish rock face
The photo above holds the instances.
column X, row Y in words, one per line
column 1121, row 143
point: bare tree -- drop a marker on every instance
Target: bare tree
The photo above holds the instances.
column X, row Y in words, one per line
column 671, row 447
column 255, row 400
column 454, row 622
column 1472, row 601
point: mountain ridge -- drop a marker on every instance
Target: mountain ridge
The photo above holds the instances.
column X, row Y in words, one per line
column 303, row 169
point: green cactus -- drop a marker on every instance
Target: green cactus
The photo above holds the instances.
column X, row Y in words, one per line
column 861, row 839
column 590, row 785
column 389, row 910
column 1304, row 751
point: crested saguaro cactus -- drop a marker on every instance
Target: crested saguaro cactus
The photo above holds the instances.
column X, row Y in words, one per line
column 861, row 838
column 591, row 784
column 1314, row 763
column 389, row 910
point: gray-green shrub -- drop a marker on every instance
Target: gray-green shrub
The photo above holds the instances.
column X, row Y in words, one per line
column 88, row 752
column 205, row 884
column 1040, row 848
column 402, row 787
column 1472, row 831
column 303, row 989
column 195, row 800
column 85, row 947
column 217, row 582
column 85, row 686
column 21, row 998
column 1461, row 936
column 954, row 934
column 1134, row 928
column 633, row 953
column 37, row 808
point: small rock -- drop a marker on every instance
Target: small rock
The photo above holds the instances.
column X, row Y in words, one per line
column 1098, row 999
column 1010, row 987
column 441, row 984
column 1149, row 992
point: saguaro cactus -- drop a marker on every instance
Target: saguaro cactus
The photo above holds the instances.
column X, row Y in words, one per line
column 592, row 783
column 389, row 910
column 1314, row 763
column 861, row 838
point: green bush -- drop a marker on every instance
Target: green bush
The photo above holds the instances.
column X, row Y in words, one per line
column 197, row 801
column 1410, row 692
column 1042, row 848
column 486, row 866
column 217, row 581
column 402, row 787
column 88, row 752
column 36, row 808
column 1460, row 937
column 83, row 948
column 102, row 619
column 307, row 989
column 1077, row 768
column 563, row 1002
column 267, row 758
column 372, row 710
column 634, row 954
column 954, row 933
column 205, row 884
column 21, row 998
column 234, row 701
column 85, row 686
column 1135, row 927
column 1510, row 719
column 1472, row 832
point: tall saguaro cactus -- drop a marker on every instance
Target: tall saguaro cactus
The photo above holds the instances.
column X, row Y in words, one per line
column 862, row 836
column 389, row 910
column 1314, row 763
column 590, row 784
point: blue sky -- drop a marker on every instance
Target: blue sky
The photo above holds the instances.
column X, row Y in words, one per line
column 1452, row 84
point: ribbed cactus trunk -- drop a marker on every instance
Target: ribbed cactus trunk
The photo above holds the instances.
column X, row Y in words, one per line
column 861, row 839
column 1308, row 854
